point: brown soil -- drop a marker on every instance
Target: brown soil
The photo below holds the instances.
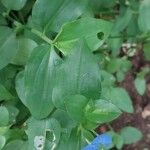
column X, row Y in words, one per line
column 140, row 119
column 141, row 116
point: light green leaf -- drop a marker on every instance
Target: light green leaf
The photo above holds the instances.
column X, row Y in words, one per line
column 143, row 20
column 39, row 78
column 118, row 140
column 4, row 93
column 130, row 135
column 2, row 141
column 4, row 116
column 103, row 111
column 95, row 31
column 119, row 97
column 75, row 106
column 79, row 74
column 42, row 129
column 14, row 4
column 50, row 15
column 25, row 47
column 140, row 85
column 8, row 46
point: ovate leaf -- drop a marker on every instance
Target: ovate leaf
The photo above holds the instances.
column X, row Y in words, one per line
column 103, row 111
column 4, row 116
column 130, row 135
column 39, row 78
column 95, row 31
column 140, row 85
column 8, row 46
column 14, row 5
column 79, row 74
column 119, row 97
column 50, row 15
column 48, row 132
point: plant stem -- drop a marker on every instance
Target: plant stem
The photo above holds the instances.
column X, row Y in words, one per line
column 42, row 36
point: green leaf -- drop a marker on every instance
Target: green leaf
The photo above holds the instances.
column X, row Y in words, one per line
column 14, row 5
column 119, row 97
column 102, row 112
column 79, row 74
column 15, row 144
column 118, row 140
column 8, row 46
column 95, row 31
column 25, row 47
column 40, row 129
column 2, row 141
column 130, row 135
column 140, row 85
column 4, row 116
column 143, row 20
column 39, row 78
column 75, row 106
column 50, row 15
column 4, row 93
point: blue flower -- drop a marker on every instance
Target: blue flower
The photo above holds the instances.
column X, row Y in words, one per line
column 103, row 140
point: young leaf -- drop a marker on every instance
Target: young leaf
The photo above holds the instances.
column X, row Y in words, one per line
column 79, row 74
column 118, row 140
column 140, row 85
column 4, row 116
column 119, row 97
column 75, row 106
column 95, row 31
column 130, row 135
column 50, row 15
column 39, row 78
column 102, row 112
column 39, row 138
column 8, row 46
column 14, row 5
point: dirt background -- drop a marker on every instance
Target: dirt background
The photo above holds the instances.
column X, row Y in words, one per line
column 141, row 116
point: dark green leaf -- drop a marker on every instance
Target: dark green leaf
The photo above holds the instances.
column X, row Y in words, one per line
column 39, row 79
column 14, row 5
column 50, row 15
column 8, row 46
column 79, row 74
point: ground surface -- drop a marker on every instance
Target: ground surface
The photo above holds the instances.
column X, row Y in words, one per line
column 141, row 117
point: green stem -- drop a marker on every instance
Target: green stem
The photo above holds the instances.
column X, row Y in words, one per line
column 42, row 36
